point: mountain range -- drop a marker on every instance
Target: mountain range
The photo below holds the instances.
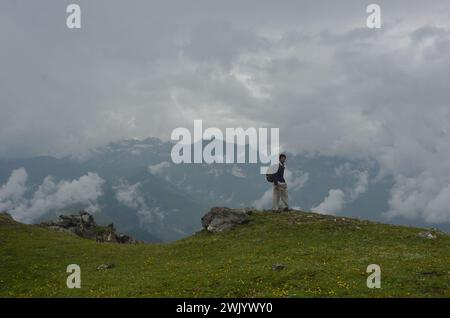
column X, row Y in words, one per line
column 135, row 185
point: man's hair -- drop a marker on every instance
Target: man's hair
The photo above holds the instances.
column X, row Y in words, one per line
column 281, row 156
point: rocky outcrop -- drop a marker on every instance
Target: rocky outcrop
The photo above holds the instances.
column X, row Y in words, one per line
column 83, row 225
column 6, row 219
column 6, row 216
column 219, row 219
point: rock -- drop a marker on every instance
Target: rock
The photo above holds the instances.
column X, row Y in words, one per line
column 107, row 236
column 427, row 234
column 6, row 215
column 219, row 219
column 6, row 218
column 247, row 210
column 278, row 266
column 86, row 218
column 126, row 239
column 61, row 229
column 105, row 266
column 83, row 225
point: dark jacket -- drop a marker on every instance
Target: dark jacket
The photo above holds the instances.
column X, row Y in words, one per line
column 279, row 175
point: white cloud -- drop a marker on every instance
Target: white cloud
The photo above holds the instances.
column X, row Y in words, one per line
column 333, row 203
column 337, row 199
column 13, row 191
column 265, row 200
column 438, row 209
column 360, row 186
column 424, row 197
column 51, row 195
column 128, row 195
column 295, row 179
column 131, row 196
column 15, row 187
column 158, row 168
column 361, row 178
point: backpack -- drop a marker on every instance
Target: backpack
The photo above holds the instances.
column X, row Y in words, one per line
column 270, row 177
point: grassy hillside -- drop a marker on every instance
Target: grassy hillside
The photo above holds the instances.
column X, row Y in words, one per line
column 323, row 256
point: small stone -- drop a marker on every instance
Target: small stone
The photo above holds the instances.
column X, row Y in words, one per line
column 105, row 266
column 427, row 235
column 278, row 266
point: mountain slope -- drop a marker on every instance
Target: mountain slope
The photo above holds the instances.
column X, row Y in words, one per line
column 323, row 256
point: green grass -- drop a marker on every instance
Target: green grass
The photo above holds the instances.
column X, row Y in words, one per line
column 323, row 256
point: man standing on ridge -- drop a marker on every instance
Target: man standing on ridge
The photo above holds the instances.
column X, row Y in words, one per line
column 280, row 191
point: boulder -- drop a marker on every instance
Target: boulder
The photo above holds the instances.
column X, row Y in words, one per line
column 126, row 239
column 219, row 219
column 86, row 218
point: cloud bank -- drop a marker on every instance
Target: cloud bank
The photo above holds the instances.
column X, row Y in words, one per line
column 49, row 196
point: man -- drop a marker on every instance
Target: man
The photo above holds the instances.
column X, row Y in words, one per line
column 280, row 192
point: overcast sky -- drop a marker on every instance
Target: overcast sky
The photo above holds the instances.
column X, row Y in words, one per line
column 311, row 68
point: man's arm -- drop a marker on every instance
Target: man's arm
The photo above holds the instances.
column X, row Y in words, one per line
column 276, row 176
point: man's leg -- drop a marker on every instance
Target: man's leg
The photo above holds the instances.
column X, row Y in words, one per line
column 284, row 197
column 276, row 198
